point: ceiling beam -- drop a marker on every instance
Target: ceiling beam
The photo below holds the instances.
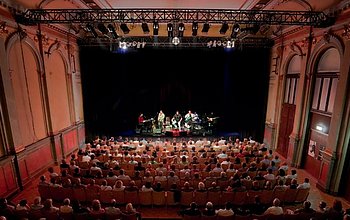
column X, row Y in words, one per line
column 48, row 16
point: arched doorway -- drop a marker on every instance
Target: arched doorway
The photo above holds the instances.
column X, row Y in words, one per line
column 325, row 83
column 288, row 106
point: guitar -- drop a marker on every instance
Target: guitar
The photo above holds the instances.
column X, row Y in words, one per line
column 212, row 119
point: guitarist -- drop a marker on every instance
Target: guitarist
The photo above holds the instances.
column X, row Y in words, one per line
column 160, row 119
column 188, row 119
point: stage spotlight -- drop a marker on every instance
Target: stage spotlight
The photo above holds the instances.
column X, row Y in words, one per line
column 181, row 29
column 111, row 30
column 170, row 30
column 102, row 28
column 205, row 28
column 124, row 28
column 194, row 28
column 155, row 28
column 145, row 28
column 175, row 41
column 92, row 30
column 224, row 28
column 236, row 28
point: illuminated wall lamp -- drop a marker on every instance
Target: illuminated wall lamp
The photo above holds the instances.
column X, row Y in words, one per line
column 319, row 128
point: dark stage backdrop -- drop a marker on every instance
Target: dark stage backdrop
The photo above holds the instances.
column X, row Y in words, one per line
column 118, row 86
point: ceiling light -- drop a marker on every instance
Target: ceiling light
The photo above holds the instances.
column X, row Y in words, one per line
column 92, row 30
column 145, row 28
column 170, row 30
column 155, row 28
column 102, row 28
column 181, row 29
column 205, row 28
column 224, row 28
column 111, row 30
column 124, row 28
column 194, row 28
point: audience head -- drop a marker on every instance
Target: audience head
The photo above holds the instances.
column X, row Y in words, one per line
column 129, row 208
column 201, row 186
column 228, row 205
column 209, row 205
column 47, row 204
column 307, row 204
column 193, row 205
column 96, row 205
column 113, row 202
column 337, row 205
column 276, row 202
column 66, row 201
column 37, row 200
column 23, row 202
column 322, row 205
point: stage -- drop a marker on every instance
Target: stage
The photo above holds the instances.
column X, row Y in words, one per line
column 174, row 133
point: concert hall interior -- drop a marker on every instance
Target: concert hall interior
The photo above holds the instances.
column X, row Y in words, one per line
column 172, row 109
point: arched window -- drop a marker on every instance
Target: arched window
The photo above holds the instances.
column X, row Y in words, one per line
column 292, row 79
column 326, row 81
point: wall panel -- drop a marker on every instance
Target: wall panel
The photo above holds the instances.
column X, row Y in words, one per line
column 7, row 177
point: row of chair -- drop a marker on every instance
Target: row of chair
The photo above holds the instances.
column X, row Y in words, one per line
column 167, row 198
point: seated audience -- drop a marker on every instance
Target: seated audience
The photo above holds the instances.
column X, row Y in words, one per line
column 275, row 209
column 209, row 210
column 191, row 211
column 227, row 211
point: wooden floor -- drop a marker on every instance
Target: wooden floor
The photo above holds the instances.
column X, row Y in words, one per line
column 30, row 192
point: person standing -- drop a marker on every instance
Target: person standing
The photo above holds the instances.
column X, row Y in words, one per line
column 188, row 119
column 160, row 119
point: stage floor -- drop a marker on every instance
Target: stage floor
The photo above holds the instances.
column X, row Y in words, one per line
column 175, row 133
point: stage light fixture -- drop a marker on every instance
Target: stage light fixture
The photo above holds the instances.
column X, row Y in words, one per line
column 170, row 30
column 194, row 28
column 205, row 28
column 111, row 30
column 224, row 28
column 181, row 29
column 102, row 28
column 92, row 30
column 155, row 28
column 236, row 28
column 124, row 28
column 175, row 41
column 145, row 28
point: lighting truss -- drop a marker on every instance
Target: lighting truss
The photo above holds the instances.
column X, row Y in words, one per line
column 45, row 16
column 199, row 42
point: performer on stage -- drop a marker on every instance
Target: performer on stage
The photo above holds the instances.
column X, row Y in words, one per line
column 176, row 120
column 141, row 119
column 160, row 119
column 188, row 119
